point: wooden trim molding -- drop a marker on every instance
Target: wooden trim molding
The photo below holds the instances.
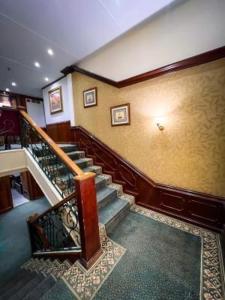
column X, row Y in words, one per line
column 74, row 68
column 198, row 208
column 177, row 66
column 180, row 65
column 49, row 84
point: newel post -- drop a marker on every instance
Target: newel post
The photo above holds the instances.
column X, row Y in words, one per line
column 88, row 218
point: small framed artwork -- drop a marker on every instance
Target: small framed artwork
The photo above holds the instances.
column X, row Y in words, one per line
column 55, row 100
column 120, row 115
column 90, row 97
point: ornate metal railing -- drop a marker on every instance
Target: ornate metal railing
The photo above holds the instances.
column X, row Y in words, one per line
column 57, row 229
column 54, row 168
column 71, row 226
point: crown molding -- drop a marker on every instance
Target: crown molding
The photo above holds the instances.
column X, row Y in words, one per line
column 177, row 66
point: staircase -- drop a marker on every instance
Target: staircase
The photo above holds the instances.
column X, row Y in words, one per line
column 113, row 204
column 38, row 279
column 70, row 228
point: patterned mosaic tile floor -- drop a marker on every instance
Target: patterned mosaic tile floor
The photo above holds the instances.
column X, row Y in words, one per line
column 193, row 283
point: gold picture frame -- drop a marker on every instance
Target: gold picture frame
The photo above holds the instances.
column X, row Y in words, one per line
column 55, row 100
column 90, row 97
column 120, row 115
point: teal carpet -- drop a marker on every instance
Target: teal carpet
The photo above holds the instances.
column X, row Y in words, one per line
column 160, row 263
column 14, row 237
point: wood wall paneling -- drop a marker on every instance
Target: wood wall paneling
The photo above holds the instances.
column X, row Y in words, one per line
column 197, row 208
column 6, row 202
column 31, row 189
column 60, row 132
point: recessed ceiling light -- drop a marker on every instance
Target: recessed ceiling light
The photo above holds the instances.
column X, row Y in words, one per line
column 37, row 65
column 50, row 51
column 13, row 83
column 46, row 79
column 7, row 90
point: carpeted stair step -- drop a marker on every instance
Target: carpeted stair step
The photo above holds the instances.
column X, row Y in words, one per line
column 84, row 162
column 100, row 183
column 113, row 213
column 105, row 196
column 68, row 147
column 14, row 288
column 28, row 286
column 59, row 291
column 95, row 169
column 4, row 287
column 76, row 154
column 42, row 288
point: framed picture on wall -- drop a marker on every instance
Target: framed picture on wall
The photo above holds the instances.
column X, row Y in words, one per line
column 120, row 115
column 55, row 100
column 90, row 97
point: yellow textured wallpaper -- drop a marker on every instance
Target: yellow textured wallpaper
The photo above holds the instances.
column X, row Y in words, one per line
column 190, row 152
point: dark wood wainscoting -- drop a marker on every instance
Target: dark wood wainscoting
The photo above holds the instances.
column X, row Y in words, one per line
column 197, row 208
column 6, row 202
column 60, row 132
column 31, row 189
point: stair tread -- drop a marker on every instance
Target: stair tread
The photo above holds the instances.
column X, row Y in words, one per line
column 12, row 289
column 28, row 286
column 80, row 160
column 92, row 168
column 42, row 288
column 59, row 291
column 103, row 193
column 112, row 209
column 12, row 280
column 74, row 152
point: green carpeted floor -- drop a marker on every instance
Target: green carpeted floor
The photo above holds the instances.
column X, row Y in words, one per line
column 160, row 263
column 14, row 237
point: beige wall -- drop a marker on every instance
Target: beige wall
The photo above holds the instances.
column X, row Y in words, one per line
column 179, row 32
column 190, row 152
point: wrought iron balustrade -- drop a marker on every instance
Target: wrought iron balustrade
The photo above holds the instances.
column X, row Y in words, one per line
column 54, row 168
column 70, row 228
column 57, row 229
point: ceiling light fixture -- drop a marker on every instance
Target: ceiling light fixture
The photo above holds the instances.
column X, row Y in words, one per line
column 46, row 79
column 13, row 83
column 7, row 90
column 50, row 51
column 37, row 65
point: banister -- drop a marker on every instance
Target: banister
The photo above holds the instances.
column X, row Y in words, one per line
column 34, row 218
column 65, row 158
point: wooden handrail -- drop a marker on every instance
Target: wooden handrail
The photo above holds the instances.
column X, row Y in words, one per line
column 32, row 219
column 59, row 152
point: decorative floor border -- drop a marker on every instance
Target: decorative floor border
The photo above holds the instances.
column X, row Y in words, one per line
column 83, row 283
column 212, row 271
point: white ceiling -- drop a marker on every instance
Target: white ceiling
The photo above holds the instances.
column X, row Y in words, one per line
column 72, row 28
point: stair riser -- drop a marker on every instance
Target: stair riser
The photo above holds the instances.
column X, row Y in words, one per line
column 84, row 164
column 27, row 287
column 100, row 185
column 113, row 223
column 75, row 156
column 107, row 199
column 69, row 148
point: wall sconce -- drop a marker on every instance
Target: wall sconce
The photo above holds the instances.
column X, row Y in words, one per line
column 160, row 126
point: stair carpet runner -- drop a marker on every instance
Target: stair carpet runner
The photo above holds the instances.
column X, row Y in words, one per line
column 113, row 204
column 39, row 278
